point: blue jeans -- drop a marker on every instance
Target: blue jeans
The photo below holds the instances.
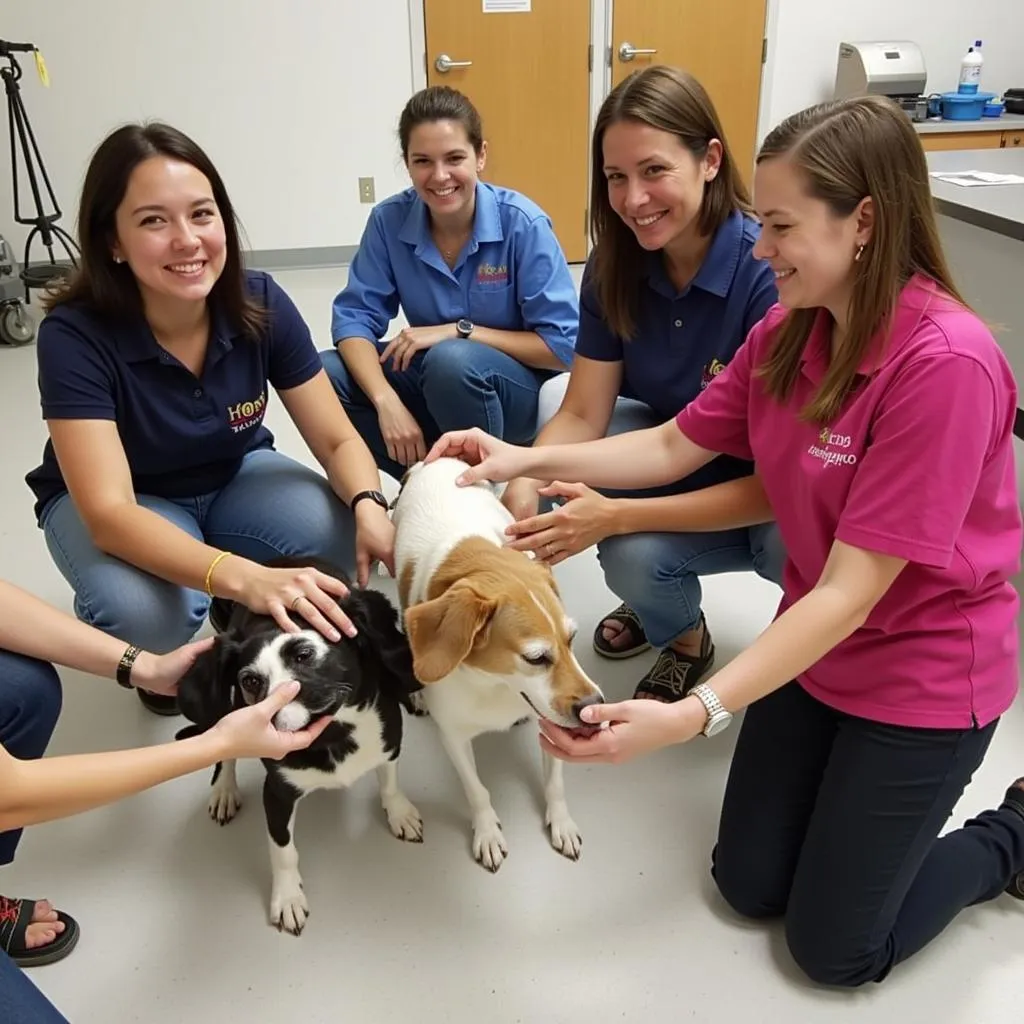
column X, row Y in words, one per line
column 453, row 385
column 273, row 507
column 30, row 703
column 658, row 574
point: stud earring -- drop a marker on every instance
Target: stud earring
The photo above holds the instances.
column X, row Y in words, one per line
column 117, row 259
column 859, row 253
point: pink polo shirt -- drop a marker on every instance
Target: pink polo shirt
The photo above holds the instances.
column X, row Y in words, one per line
column 919, row 465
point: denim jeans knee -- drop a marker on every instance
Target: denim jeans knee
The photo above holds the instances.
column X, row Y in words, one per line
column 30, row 704
column 116, row 597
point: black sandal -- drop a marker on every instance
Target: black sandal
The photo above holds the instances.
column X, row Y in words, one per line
column 15, row 917
column 630, row 621
column 674, row 674
column 1014, row 801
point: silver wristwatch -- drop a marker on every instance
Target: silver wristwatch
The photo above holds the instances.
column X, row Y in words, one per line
column 718, row 718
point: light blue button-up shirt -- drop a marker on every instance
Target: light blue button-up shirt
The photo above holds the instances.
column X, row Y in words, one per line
column 511, row 275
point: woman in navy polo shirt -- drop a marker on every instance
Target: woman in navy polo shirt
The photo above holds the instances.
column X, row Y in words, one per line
column 482, row 281
column 668, row 296
column 160, row 488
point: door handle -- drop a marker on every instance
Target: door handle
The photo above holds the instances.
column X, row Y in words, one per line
column 444, row 63
column 627, row 51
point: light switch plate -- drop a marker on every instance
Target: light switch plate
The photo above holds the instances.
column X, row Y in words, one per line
column 366, row 190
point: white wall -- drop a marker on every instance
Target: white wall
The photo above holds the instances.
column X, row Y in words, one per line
column 802, row 65
column 295, row 100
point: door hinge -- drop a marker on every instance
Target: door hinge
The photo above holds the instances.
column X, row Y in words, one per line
column 608, row 56
column 764, row 50
column 586, row 221
column 590, row 57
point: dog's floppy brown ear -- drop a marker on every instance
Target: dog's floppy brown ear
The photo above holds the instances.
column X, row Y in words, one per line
column 442, row 632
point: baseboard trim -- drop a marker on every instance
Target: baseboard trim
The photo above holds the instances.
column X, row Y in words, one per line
column 300, row 259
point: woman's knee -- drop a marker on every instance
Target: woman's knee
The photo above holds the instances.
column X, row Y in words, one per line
column 768, row 551
column 141, row 609
column 743, row 885
column 549, row 399
column 638, row 564
column 819, row 949
column 31, row 698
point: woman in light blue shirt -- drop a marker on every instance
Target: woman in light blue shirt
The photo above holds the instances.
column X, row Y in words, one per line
column 482, row 281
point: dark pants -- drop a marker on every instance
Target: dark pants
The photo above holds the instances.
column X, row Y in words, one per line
column 30, row 702
column 833, row 821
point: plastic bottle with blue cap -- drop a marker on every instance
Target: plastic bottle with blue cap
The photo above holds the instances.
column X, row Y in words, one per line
column 970, row 69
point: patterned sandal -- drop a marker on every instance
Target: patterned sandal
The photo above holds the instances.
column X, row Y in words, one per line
column 630, row 622
column 15, row 917
column 674, row 675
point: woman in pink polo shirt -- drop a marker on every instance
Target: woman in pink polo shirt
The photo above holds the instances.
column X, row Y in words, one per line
column 878, row 410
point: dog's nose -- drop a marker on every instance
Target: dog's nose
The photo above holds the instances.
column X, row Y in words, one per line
column 577, row 708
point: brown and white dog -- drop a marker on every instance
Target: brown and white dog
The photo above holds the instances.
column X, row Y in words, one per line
column 490, row 640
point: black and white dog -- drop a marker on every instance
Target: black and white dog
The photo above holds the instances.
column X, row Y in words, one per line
column 364, row 682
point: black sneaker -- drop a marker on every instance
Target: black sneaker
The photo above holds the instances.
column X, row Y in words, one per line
column 1014, row 801
column 158, row 703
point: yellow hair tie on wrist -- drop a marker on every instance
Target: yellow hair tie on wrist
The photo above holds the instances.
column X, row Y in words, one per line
column 209, row 572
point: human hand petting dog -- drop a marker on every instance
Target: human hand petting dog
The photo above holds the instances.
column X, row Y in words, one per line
column 633, row 728
column 305, row 592
column 586, row 518
column 488, row 458
column 375, row 540
column 250, row 732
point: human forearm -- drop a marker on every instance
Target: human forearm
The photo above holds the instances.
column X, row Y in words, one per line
column 55, row 787
column 31, row 627
column 725, row 506
column 362, row 360
column 527, row 347
column 802, row 635
column 145, row 539
column 351, row 469
column 640, row 458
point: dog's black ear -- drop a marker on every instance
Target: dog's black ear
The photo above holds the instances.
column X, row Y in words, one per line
column 204, row 692
column 379, row 637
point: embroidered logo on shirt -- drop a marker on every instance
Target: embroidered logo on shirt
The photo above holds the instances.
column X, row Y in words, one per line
column 495, row 275
column 244, row 415
column 832, row 448
column 710, row 372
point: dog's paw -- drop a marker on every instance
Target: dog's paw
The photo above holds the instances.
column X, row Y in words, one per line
column 419, row 705
column 489, row 846
column 288, row 906
column 564, row 832
column 404, row 820
column 224, row 803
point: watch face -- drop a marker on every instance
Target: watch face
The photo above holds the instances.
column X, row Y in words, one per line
column 464, row 327
column 717, row 724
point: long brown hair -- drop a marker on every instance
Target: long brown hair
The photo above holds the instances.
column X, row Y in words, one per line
column 847, row 150
column 110, row 288
column 671, row 101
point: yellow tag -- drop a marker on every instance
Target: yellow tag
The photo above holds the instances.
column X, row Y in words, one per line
column 44, row 75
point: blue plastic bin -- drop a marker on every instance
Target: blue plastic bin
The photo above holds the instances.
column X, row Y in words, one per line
column 958, row 106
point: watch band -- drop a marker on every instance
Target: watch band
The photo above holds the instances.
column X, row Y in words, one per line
column 124, row 666
column 716, row 712
column 375, row 496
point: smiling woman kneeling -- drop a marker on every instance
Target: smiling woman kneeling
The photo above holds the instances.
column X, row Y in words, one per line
column 879, row 410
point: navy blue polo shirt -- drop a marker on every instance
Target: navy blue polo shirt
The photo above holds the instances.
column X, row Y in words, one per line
column 511, row 275
column 183, row 435
column 684, row 338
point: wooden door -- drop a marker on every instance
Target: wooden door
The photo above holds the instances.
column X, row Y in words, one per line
column 528, row 75
column 720, row 43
